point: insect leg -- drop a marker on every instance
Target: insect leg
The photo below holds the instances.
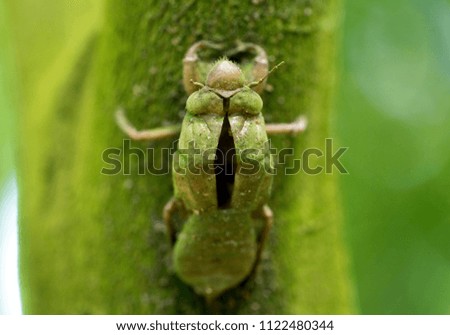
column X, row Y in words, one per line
column 190, row 68
column 292, row 128
column 267, row 215
column 168, row 212
column 260, row 68
column 149, row 134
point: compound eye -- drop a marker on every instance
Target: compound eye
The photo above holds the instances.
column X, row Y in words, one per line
column 246, row 102
column 204, row 102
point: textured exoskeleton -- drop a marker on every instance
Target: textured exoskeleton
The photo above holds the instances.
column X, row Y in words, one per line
column 222, row 173
column 218, row 246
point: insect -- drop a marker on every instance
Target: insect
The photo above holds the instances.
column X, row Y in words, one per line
column 220, row 171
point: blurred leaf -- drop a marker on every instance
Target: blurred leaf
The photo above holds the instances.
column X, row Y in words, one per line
column 437, row 13
column 394, row 115
column 7, row 93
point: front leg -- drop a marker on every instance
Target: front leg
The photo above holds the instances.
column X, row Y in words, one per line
column 191, row 72
column 148, row 134
column 293, row 128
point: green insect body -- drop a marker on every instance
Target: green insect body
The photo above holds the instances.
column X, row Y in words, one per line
column 215, row 259
column 224, row 115
column 230, row 125
column 221, row 174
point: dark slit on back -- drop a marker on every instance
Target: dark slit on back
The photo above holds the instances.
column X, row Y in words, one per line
column 225, row 162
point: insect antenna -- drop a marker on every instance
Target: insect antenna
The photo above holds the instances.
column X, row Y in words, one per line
column 256, row 83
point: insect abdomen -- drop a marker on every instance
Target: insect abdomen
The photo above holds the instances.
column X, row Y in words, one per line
column 216, row 251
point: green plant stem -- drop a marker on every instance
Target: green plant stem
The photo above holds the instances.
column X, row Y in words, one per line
column 95, row 243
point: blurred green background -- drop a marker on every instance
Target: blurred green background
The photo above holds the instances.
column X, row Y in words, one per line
column 393, row 112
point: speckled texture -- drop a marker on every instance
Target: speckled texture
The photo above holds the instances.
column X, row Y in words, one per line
column 93, row 243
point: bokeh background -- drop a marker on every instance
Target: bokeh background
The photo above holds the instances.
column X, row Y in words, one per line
column 393, row 112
